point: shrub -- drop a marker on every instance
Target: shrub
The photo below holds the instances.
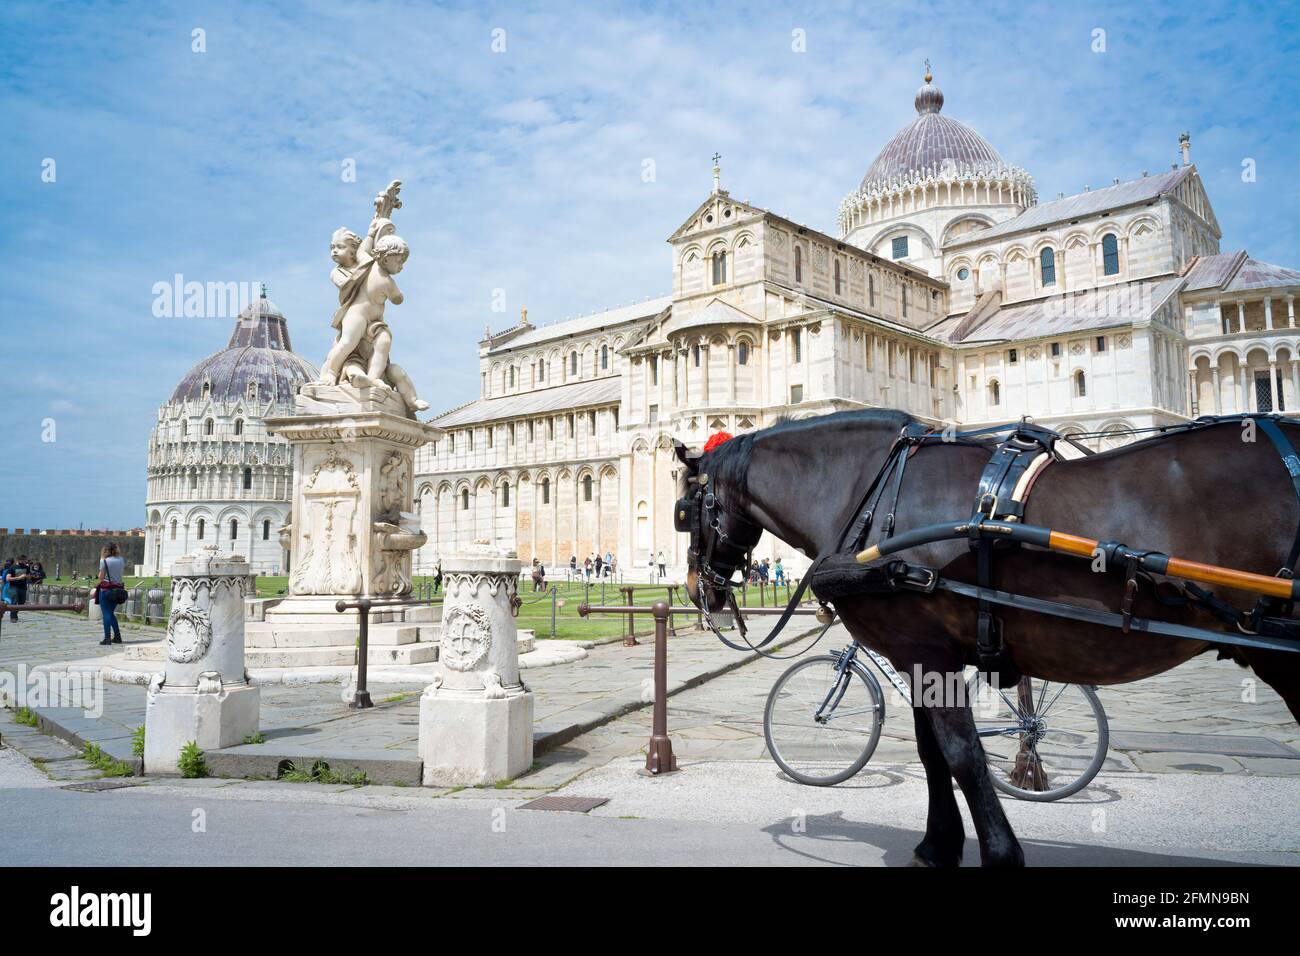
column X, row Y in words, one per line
column 191, row 763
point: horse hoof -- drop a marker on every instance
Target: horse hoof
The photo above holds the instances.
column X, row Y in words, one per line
column 917, row 861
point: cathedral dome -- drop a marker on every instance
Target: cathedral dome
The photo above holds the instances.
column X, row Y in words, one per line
column 259, row 355
column 929, row 144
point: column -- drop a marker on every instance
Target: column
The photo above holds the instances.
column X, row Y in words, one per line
column 202, row 694
column 1268, row 313
column 1214, row 377
column 1192, row 397
column 1290, row 311
column 1273, row 383
column 1223, row 322
column 704, row 367
column 1241, row 316
column 731, row 372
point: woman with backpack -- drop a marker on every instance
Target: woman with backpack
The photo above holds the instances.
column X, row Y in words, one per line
column 109, row 592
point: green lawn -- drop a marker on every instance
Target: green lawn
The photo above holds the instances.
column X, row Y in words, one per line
column 535, row 613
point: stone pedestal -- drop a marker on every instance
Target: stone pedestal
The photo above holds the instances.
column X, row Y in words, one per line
column 352, row 530
column 476, row 718
column 202, row 695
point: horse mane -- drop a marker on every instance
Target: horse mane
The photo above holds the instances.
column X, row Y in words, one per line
column 729, row 462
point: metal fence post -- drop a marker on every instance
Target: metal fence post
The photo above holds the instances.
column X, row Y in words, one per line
column 555, row 594
column 672, row 628
column 659, row 756
column 628, row 599
column 361, row 699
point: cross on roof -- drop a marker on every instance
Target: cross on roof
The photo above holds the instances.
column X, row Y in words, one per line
column 716, row 157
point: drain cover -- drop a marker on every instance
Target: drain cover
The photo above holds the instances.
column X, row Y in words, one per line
column 569, row 804
column 95, row 786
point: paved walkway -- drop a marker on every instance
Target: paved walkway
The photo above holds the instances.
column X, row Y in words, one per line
column 1204, row 717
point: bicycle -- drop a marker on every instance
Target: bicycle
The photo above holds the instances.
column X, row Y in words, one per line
column 1043, row 740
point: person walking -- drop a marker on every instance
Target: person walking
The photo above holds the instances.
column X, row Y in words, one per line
column 663, row 568
column 111, row 566
column 778, row 573
column 600, row 565
column 437, row 576
column 609, row 563
column 6, row 588
column 36, row 574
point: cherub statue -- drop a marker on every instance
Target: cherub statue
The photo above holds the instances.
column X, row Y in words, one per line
column 363, row 272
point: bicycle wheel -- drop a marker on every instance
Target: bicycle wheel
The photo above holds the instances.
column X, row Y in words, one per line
column 1044, row 740
column 828, row 749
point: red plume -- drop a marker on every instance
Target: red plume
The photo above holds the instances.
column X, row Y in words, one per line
column 717, row 439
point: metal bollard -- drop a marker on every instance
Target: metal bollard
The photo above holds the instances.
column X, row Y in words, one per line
column 628, row 599
column 659, row 755
column 672, row 628
column 555, row 594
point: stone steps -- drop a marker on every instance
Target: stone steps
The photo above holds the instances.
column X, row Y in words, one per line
column 339, row 656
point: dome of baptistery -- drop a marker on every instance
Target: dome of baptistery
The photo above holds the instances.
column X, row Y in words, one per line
column 259, row 355
column 216, row 476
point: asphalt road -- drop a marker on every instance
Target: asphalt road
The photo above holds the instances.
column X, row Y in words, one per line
column 309, row 825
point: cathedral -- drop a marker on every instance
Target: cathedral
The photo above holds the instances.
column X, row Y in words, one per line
column 951, row 292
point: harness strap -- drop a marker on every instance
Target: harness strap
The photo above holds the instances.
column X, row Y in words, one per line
column 1292, row 462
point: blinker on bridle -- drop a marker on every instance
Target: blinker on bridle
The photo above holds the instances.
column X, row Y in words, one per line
column 693, row 514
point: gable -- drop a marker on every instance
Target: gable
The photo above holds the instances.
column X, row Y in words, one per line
column 716, row 212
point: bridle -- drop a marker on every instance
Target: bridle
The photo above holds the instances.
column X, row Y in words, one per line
column 716, row 561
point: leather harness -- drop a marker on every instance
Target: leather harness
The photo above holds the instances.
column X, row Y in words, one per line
column 1015, row 464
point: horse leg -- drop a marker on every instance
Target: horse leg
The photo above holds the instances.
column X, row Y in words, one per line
column 954, row 729
column 944, row 835
column 1281, row 671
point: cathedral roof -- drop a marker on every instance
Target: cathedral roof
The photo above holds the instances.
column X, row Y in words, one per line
column 930, row 143
column 557, row 398
column 259, row 351
column 537, row 334
column 1088, row 203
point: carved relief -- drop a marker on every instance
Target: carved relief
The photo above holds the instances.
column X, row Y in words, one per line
column 189, row 635
column 327, row 560
column 466, row 636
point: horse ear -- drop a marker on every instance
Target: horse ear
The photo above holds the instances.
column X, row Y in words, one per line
column 683, row 454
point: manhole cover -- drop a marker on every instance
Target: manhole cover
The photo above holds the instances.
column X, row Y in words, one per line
column 568, row 804
column 94, row 786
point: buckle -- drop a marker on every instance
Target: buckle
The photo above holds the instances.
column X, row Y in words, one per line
column 991, row 500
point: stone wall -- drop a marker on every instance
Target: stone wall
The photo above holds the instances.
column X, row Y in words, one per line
column 71, row 553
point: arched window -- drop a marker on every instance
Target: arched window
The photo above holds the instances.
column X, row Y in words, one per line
column 207, row 389
column 798, row 264
column 604, row 356
column 695, row 355
column 742, row 353
column 185, row 428
column 573, row 363
column 234, row 529
column 464, row 499
column 208, row 427
column 173, row 529
column 248, row 479
column 239, row 426
column 1047, row 266
column 512, row 376
column 541, row 370
column 586, row 488
column 796, row 345
column 1080, row 384
column 251, row 391
column 202, row 526
column 719, row 268
column 505, row 495
column 837, row 276
column 194, row 479
column 546, row 491
column 995, row 392
column 266, row 530
column 1110, row 254
column 871, row 291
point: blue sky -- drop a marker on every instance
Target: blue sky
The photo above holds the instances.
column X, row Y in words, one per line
column 523, row 168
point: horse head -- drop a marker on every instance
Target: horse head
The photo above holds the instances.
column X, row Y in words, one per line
column 710, row 508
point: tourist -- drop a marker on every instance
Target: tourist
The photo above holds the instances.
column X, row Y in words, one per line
column 538, row 576
column 6, row 588
column 108, row 590
column 609, row 564
column 600, row 565
column 763, row 570
column 437, row 577
column 663, row 567
column 613, row 566
column 651, row 563
column 18, row 580
column 36, row 574
column 779, row 573
column 586, row 570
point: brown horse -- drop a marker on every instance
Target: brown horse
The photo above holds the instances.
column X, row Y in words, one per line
column 1204, row 494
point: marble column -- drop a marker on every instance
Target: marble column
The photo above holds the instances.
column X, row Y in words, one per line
column 476, row 717
column 203, row 695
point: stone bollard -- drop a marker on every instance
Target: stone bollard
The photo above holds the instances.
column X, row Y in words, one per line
column 154, row 614
column 203, row 694
column 476, row 718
